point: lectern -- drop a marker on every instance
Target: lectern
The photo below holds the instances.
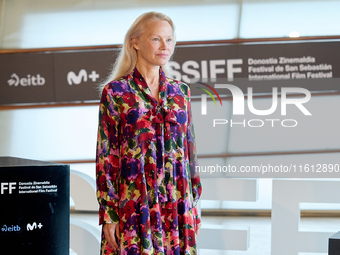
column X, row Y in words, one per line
column 334, row 244
column 34, row 207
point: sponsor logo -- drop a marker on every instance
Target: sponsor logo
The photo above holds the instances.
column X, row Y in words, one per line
column 6, row 228
column 82, row 76
column 34, row 226
column 29, row 80
column 16, row 228
column 7, row 187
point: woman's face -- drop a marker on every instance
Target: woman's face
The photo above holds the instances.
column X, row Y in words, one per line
column 154, row 47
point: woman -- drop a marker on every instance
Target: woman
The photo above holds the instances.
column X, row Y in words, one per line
column 147, row 186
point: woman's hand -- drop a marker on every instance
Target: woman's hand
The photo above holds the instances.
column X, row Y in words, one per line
column 198, row 227
column 111, row 231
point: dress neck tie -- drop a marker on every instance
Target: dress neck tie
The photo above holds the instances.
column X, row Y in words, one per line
column 162, row 117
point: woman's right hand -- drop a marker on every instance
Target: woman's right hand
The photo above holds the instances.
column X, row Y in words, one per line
column 111, row 231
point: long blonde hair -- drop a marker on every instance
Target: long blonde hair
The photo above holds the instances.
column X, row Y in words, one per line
column 127, row 57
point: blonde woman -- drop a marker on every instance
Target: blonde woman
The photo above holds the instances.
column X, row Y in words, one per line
column 147, row 186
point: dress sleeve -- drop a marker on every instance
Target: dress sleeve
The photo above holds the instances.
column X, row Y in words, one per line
column 107, row 159
column 195, row 178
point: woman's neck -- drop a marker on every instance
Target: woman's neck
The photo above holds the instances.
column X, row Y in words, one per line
column 151, row 77
column 150, row 74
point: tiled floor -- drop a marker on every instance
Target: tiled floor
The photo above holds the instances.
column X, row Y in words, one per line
column 260, row 230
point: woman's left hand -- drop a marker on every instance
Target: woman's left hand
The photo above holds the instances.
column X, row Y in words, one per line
column 198, row 227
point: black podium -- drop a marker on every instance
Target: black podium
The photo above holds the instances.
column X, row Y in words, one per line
column 34, row 207
column 334, row 244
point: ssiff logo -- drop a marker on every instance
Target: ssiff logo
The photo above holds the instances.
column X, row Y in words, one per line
column 7, row 187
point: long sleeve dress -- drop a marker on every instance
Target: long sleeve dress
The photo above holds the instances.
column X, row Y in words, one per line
column 146, row 167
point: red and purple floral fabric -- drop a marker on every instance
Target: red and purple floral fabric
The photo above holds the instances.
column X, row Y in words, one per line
column 146, row 159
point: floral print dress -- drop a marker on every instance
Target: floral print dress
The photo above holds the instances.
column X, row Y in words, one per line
column 145, row 166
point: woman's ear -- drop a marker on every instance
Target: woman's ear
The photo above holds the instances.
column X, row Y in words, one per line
column 135, row 44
